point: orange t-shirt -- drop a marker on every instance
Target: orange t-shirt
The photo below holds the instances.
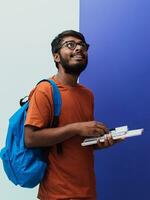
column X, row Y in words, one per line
column 71, row 174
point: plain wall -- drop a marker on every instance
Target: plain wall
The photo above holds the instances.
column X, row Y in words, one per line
column 27, row 28
column 119, row 75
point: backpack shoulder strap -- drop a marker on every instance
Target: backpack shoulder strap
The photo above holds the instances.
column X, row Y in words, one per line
column 57, row 108
column 56, row 98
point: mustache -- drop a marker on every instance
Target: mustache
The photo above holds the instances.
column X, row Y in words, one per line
column 81, row 54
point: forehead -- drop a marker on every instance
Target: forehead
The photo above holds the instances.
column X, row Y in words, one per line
column 71, row 38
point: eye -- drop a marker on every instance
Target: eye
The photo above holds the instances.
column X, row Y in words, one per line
column 71, row 45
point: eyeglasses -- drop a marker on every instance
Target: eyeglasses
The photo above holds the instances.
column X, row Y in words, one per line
column 72, row 45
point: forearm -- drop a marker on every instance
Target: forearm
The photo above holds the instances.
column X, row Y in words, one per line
column 48, row 136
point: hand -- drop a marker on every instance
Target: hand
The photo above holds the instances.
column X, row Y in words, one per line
column 90, row 128
column 108, row 141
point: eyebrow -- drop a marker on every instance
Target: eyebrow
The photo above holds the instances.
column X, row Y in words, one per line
column 72, row 41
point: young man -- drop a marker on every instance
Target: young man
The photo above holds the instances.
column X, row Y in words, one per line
column 70, row 175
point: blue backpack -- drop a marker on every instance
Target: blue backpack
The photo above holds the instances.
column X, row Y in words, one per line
column 26, row 166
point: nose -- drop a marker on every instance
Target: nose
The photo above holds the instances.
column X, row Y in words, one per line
column 79, row 47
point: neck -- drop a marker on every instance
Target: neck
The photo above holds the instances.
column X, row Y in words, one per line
column 66, row 79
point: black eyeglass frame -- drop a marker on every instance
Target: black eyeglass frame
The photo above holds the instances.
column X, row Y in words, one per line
column 84, row 45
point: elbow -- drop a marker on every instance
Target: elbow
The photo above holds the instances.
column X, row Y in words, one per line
column 28, row 139
column 28, row 143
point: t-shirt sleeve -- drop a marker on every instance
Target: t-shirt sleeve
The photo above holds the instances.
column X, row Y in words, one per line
column 40, row 111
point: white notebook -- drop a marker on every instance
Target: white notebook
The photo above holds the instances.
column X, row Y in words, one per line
column 117, row 133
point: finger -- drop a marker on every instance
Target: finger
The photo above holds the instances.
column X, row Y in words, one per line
column 110, row 139
column 100, row 144
column 95, row 131
column 103, row 127
column 106, row 141
column 101, row 131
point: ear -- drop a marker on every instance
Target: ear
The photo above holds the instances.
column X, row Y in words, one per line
column 56, row 57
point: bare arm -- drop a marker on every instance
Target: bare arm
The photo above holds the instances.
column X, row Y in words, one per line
column 35, row 137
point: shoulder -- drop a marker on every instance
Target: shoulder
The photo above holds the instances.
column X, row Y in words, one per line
column 43, row 88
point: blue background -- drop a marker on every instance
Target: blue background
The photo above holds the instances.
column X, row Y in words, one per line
column 119, row 75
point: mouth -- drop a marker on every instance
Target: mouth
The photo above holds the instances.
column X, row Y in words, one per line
column 78, row 56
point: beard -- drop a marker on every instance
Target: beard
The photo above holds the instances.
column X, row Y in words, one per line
column 73, row 69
